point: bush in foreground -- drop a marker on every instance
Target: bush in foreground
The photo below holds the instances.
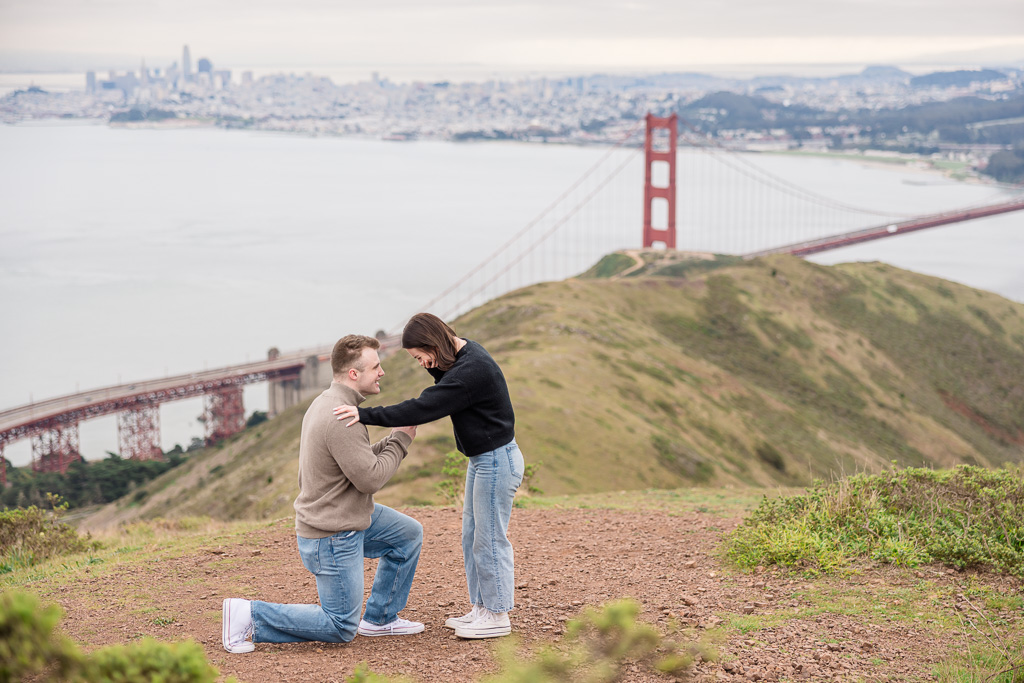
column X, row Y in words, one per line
column 28, row 642
column 600, row 646
column 31, row 647
column 964, row 517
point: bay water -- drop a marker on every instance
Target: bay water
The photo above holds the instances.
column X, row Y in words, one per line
column 131, row 254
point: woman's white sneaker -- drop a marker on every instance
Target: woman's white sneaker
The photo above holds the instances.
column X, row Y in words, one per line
column 398, row 627
column 464, row 620
column 487, row 625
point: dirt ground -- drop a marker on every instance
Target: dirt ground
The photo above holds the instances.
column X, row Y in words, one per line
column 565, row 559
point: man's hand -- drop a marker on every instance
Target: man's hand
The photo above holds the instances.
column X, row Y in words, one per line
column 344, row 412
column 411, row 431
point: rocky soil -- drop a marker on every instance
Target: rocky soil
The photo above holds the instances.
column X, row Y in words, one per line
column 770, row 627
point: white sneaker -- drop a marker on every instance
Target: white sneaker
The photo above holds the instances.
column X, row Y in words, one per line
column 487, row 625
column 464, row 620
column 398, row 627
column 236, row 625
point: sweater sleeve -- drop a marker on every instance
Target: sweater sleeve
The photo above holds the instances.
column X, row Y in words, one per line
column 434, row 403
column 366, row 469
column 380, row 445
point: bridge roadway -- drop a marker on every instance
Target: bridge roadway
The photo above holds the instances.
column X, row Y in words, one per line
column 28, row 420
column 890, row 230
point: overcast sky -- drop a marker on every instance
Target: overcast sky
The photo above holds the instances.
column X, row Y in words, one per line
column 657, row 34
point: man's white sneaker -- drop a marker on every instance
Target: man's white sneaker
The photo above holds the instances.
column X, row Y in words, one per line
column 464, row 620
column 487, row 625
column 398, row 627
column 236, row 625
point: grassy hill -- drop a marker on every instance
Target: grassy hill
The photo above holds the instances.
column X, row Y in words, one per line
column 680, row 371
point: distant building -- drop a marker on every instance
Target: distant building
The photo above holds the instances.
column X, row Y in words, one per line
column 222, row 78
column 186, row 64
column 204, row 65
column 90, row 81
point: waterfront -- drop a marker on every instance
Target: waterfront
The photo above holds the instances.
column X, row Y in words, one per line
column 132, row 254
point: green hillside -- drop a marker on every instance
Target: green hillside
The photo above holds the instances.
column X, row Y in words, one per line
column 707, row 371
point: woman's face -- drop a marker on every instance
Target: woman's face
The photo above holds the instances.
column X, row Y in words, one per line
column 426, row 359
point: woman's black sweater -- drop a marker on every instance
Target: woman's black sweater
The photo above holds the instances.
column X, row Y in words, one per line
column 473, row 391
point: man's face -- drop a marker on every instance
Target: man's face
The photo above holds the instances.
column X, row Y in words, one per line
column 368, row 379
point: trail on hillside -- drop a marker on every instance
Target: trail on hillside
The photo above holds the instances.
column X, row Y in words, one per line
column 565, row 559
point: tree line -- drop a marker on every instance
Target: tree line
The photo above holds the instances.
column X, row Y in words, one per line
column 85, row 483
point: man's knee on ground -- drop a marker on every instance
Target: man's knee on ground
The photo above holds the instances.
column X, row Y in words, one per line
column 345, row 631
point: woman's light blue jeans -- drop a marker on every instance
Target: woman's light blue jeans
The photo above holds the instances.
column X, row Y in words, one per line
column 491, row 482
column 337, row 563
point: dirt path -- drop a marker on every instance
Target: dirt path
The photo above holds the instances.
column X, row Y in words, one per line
column 637, row 265
column 564, row 558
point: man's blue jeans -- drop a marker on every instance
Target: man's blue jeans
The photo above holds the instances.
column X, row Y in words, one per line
column 491, row 482
column 337, row 563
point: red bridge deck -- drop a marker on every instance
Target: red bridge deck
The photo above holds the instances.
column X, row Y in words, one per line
column 890, row 230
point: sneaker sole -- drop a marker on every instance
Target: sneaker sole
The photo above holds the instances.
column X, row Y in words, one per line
column 242, row 647
column 456, row 622
column 396, row 632
column 495, row 632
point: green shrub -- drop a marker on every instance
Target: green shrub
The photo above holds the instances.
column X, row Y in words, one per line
column 529, row 473
column 362, row 674
column 28, row 643
column 600, row 646
column 30, row 647
column 150, row 660
column 454, row 472
column 29, row 536
column 964, row 517
column 682, row 460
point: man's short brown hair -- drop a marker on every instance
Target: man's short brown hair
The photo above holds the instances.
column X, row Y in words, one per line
column 347, row 351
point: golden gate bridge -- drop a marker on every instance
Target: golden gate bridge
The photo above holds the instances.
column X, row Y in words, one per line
column 751, row 213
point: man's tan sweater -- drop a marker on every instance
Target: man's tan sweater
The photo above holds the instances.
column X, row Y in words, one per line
column 339, row 471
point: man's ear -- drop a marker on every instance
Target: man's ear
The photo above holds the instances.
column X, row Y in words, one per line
column 353, row 374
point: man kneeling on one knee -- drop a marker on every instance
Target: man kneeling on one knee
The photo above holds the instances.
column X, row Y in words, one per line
column 338, row 524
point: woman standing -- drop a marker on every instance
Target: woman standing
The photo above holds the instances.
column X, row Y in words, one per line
column 470, row 387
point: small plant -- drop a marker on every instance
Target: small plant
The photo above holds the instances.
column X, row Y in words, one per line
column 453, row 471
column 600, row 646
column 529, row 472
column 362, row 674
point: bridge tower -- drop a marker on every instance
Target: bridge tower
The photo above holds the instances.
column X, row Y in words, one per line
column 653, row 153
column 224, row 414
column 56, row 448
column 138, row 433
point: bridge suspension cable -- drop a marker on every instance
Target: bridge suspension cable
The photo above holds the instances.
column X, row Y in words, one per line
column 503, row 250
column 454, row 309
column 744, row 166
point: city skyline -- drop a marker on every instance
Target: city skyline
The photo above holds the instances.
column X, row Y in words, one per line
column 564, row 34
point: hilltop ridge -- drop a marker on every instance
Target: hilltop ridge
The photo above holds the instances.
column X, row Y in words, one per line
column 660, row 370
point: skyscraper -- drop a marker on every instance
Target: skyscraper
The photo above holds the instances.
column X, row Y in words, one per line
column 186, row 64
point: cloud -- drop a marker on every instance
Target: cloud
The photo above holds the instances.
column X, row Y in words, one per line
column 625, row 32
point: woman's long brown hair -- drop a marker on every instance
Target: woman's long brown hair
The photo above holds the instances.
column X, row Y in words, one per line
column 428, row 332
